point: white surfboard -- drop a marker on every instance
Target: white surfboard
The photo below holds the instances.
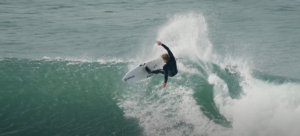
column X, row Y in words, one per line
column 139, row 72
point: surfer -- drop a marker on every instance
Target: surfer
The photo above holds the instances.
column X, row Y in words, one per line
column 170, row 68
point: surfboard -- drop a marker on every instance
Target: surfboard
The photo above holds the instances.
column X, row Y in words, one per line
column 139, row 73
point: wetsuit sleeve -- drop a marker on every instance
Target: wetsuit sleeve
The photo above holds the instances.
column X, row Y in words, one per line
column 166, row 74
column 168, row 50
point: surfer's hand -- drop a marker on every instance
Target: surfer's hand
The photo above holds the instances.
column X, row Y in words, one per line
column 158, row 42
column 164, row 84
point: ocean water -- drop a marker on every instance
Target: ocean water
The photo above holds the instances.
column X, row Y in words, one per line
column 61, row 65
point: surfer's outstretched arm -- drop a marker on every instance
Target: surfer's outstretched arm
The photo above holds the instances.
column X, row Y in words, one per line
column 167, row 48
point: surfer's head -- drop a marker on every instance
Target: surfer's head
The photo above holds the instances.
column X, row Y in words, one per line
column 165, row 57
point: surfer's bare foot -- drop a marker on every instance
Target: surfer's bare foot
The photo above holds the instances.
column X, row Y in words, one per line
column 148, row 70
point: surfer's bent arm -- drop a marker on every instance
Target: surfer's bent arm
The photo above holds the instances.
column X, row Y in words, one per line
column 168, row 50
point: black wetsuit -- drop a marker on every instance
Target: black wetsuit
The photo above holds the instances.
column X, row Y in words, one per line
column 170, row 68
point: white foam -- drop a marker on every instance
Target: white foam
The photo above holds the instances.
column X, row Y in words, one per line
column 187, row 69
column 86, row 60
column 174, row 112
column 222, row 98
column 267, row 109
column 263, row 108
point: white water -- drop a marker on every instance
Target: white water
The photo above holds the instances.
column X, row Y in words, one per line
column 263, row 109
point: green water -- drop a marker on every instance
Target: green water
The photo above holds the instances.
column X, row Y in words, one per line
column 41, row 97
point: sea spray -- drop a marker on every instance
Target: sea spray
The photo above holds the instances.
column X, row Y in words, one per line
column 174, row 110
column 210, row 95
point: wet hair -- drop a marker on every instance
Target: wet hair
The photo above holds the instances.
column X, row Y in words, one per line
column 165, row 56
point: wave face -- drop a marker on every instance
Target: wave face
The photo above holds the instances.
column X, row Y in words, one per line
column 62, row 97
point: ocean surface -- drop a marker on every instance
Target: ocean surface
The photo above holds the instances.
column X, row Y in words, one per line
column 61, row 65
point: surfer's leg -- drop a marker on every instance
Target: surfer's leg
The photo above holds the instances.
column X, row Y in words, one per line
column 158, row 71
column 148, row 70
column 155, row 71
